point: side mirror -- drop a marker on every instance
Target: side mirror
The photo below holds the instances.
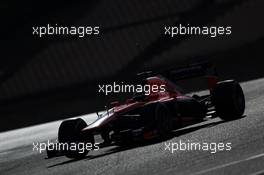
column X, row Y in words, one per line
column 98, row 115
column 115, row 103
column 129, row 100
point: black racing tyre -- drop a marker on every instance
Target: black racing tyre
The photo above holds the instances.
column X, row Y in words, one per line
column 228, row 99
column 70, row 133
column 163, row 119
column 51, row 151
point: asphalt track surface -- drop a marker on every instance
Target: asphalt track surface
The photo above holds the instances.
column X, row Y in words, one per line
column 245, row 157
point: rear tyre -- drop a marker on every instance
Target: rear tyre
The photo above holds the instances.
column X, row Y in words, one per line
column 228, row 99
column 70, row 134
column 163, row 119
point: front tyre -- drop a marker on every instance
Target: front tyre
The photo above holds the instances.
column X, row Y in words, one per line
column 163, row 119
column 70, row 134
column 228, row 99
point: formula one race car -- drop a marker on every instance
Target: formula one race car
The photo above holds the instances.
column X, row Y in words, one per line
column 154, row 115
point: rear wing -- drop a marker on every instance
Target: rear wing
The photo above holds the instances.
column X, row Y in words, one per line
column 191, row 71
column 187, row 72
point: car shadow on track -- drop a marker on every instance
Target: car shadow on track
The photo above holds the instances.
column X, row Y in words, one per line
column 175, row 133
column 116, row 149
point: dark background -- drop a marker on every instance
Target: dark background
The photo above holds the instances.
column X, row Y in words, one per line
column 51, row 78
